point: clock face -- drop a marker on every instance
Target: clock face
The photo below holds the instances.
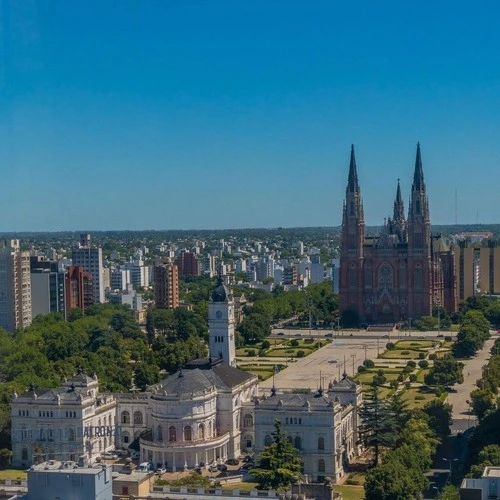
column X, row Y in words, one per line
column 218, row 314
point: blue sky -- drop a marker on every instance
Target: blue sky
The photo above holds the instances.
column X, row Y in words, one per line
column 138, row 114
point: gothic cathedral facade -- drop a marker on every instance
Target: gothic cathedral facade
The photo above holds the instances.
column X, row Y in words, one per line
column 403, row 272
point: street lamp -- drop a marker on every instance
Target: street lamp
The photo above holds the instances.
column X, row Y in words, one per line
column 450, row 461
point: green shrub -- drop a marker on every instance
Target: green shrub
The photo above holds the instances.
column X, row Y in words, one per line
column 251, row 352
column 432, row 357
column 423, row 363
column 421, row 355
column 411, row 364
column 413, row 378
column 361, row 369
column 266, row 344
column 352, row 482
column 368, row 363
column 262, row 352
column 390, row 346
column 294, row 343
column 300, row 354
column 419, row 397
column 448, row 338
column 405, row 353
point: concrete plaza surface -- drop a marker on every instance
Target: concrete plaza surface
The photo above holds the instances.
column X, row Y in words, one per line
column 353, row 346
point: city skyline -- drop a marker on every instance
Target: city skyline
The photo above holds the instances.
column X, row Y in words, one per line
column 187, row 115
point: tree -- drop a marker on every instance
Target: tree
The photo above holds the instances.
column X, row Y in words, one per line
column 446, row 371
column 146, row 374
column 278, row 464
column 391, row 481
column 449, row 492
column 378, row 424
column 5, row 457
column 150, row 326
column 440, row 417
column 481, row 401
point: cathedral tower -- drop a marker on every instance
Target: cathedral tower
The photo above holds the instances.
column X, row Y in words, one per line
column 419, row 245
column 352, row 241
column 221, row 324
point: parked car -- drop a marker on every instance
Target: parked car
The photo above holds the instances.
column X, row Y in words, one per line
column 146, row 467
column 213, row 468
column 222, row 467
column 329, row 335
column 232, row 461
column 109, row 456
column 161, row 470
column 134, row 455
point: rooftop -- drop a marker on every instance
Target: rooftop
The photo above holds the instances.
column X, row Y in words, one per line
column 56, row 466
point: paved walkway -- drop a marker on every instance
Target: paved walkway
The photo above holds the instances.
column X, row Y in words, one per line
column 472, row 372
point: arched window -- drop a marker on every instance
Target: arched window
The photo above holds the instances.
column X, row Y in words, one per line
column 188, row 433
column 298, row 442
column 24, row 454
column 160, row 433
column 248, row 420
column 125, row 419
column 138, row 418
column 321, row 443
column 321, row 465
column 268, row 440
column 125, row 437
column 418, row 277
column 172, row 433
column 201, row 431
column 385, row 277
column 353, row 278
column 71, row 434
column 368, row 276
column 402, row 276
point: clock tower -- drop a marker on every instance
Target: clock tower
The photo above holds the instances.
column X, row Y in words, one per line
column 221, row 324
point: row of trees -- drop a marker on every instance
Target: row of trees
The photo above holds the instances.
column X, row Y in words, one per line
column 473, row 333
column 406, row 441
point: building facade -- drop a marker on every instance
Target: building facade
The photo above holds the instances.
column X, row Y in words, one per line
column 47, row 287
column 401, row 273
column 15, row 286
column 323, row 427
column 166, row 286
column 79, row 289
column 188, row 264
column 90, row 258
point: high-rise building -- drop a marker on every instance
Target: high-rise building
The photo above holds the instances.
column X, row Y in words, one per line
column 188, row 264
column 166, row 286
column 401, row 273
column 15, row 286
column 47, row 287
column 120, row 278
column 90, row 258
column 290, row 275
column 79, row 289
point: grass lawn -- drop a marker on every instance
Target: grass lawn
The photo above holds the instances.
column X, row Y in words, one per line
column 421, row 374
column 411, row 395
column 240, row 486
column 351, row 492
column 288, row 352
column 367, row 377
column 414, row 344
column 384, row 392
column 398, row 354
column 13, row 474
column 262, row 371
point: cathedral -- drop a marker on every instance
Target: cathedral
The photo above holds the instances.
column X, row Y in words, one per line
column 400, row 273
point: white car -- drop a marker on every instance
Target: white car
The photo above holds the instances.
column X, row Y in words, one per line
column 109, row 456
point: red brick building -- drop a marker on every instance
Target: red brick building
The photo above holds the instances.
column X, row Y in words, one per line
column 79, row 292
column 188, row 264
column 402, row 272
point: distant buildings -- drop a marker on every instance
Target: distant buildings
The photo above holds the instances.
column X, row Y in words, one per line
column 188, row 264
column 15, row 286
column 79, row 289
column 166, row 286
column 47, row 287
column 90, row 258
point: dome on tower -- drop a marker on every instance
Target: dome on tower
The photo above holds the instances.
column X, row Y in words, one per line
column 220, row 293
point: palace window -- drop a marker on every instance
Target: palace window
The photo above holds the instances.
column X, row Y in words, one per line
column 125, row 417
column 321, row 465
column 188, row 433
column 298, row 442
column 172, row 434
column 321, row 443
column 138, row 418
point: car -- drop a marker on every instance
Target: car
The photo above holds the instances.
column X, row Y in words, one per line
column 232, row 461
column 222, row 467
column 161, row 470
column 280, row 333
column 329, row 335
column 213, row 468
column 333, row 361
column 109, row 456
column 146, row 467
column 298, row 335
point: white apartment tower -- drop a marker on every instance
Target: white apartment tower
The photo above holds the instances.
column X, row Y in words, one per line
column 15, row 286
column 91, row 259
column 221, row 324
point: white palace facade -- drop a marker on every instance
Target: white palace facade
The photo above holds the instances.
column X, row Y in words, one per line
column 205, row 413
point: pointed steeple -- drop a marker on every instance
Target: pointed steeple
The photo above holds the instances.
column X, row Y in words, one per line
column 399, row 211
column 352, row 182
column 418, row 176
column 399, row 198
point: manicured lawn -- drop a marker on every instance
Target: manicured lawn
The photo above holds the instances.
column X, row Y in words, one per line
column 367, row 377
column 398, row 354
column 351, row 492
column 262, row 371
column 240, row 486
column 415, row 344
column 13, row 474
column 421, row 374
column 288, row 352
column 384, row 392
column 417, row 398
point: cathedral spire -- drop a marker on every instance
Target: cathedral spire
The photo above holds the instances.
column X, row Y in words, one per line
column 418, row 176
column 399, row 211
column 352, row 183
